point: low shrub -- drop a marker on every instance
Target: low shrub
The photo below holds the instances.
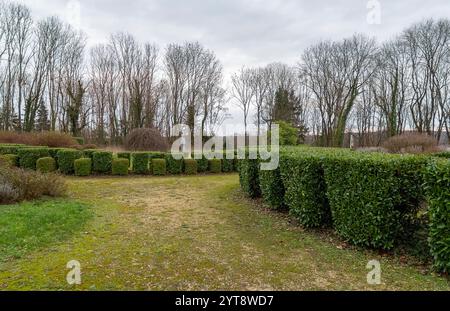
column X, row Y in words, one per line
column 272, row 188
column 202, row 164
column 140, row 163
column 53, row 152
column 373, row 197
column 46, row 165
column 66, row 159
column 443, row 154
column 28, row 156
column 83, row 167
column 102, row 162
column 413, row 143
column 17, row 185
column 249, row 177
column 146, row 139
column 89, row 146
column 215, row 166
column 437, row 187
column 154, row 155
column 89, row 153
column 228, row 163
column 190, row 166
column 10, row 160
column 159, row 167
column 120, row 167
column 124, row 155
column 305, row 189
column 174, row 166
column 10, row 148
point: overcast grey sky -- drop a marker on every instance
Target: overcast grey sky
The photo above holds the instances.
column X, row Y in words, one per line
column 241, row 32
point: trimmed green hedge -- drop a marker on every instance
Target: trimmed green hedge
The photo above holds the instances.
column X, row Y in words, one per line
column 89, row 153
column 120, row 167
column 102, row 162
column 305, row 189
column 373, row 196
column 29, row 156
column 11, row 159
column 443, row 154
column 10, row 148
column 174, row 166
column 202, row 164
column 83, row 167
column 437, row 187
column 190, row 166
column 249, row 177
column 140, row 163
column 159, row 167
column 124, row 155
column 66, row 159
column 215, row 166
column 272, row 188
column 46, row 165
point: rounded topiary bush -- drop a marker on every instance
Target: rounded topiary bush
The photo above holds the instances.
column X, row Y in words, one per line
column 190, row 166
column 146, row 139
column 83, row 167
column 102, row 162
column 120, row 167
column 29, row 156
column 140, row 163
column 66, row 159
column 159, row 167
column 46, row 165
column 215, row 166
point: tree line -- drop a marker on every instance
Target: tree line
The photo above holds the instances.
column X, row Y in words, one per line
column 50, row 80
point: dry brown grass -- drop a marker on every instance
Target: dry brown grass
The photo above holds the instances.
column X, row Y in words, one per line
column 49, row 139
column 413, row 143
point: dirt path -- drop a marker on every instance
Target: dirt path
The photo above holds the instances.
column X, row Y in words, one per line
column 197, row 233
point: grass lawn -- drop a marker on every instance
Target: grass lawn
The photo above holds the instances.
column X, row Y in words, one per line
column 191, row 233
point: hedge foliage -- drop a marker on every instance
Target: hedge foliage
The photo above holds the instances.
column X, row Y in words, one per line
column 120, row 167
column 159, row 167
column 305, row 189
column 140, row 163
column 249, row 177
column 272, row 188
column 190, row 166
column 202, row 164
column 174, row 166
column 373, row 196
column 10, row 148
column 46, row 165
column 124, row 155
column 28, row 156
column 437, row 186
column 83, row 167
column 12, row 160
column 215, row 166
column 102, row 162
column 66, row 159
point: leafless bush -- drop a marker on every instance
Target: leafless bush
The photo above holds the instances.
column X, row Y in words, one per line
column 411, row 143
column 146, row 140
column 17, row 185
column 50, row 139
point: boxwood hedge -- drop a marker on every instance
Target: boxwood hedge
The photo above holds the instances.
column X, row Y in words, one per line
column 120, row 167
column 190, row 166
column 10, row 148
column 11, row 159
column 46, row 165
column 102, row 162
column 28, row 156
column 437, row 187
column 83, row 167
column 202, row 164
column 66, row 159
column 159, row 167
column 174, row 166
column 140, row 163
column 249, row 177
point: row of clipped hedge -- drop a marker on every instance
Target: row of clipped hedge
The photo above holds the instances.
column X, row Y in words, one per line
column 370, row 200
column 83, row 163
